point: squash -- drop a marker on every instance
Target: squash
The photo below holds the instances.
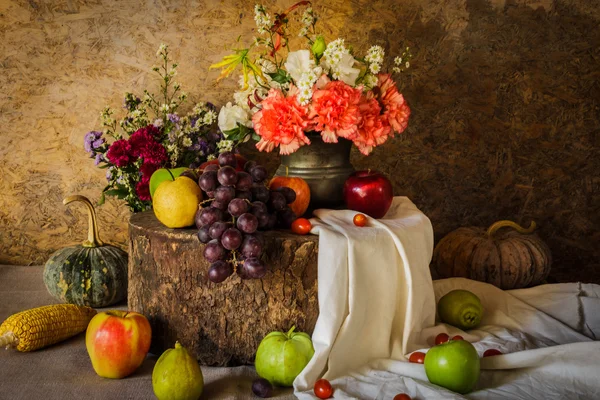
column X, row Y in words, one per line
column 91, row 274
column 509, row 260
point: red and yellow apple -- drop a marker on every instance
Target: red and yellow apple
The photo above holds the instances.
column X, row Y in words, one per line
column 117, row 342
column 298, row 185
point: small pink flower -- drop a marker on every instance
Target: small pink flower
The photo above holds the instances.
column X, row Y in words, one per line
column 395, row 109
column 335, row 111
column 373, row 130
column 119, row 153
column 281, row 122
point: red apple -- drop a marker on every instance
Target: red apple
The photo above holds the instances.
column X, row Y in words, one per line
column 117, row 342
column 240, row 163
column 368, row 192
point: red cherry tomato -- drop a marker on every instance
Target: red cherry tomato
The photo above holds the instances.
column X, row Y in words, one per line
column 441, row 338
column 323, row 389
column 360, row 220
column 301, row 226
column 492, row 352
column 458, row 337
column 402, row 396
column 417, row 357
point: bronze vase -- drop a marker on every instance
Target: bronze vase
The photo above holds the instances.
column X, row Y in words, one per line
column 325, row 168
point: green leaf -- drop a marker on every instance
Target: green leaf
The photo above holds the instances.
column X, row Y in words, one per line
column 280, row 76
column 101, row 199
column 256, row 137
column 121, row 194
column 105, row 166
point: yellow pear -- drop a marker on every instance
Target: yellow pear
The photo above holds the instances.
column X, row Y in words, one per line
column 175, row 202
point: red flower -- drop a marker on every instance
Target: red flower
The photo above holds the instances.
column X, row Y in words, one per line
column 335, row 109
column 143, row 144
column 281, row 122
column 373, row 130
column 142, row 189
column 154, row 153
column 147, row 169
column 139, row 140
column 119, row 153
column 395, row 109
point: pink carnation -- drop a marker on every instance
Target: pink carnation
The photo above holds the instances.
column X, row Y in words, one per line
column 373, row 130
column 154, row 153
column 395, row 109
column 281, row 122
column 119, row 153
column 142, row 189
column 335, row 111
column 147, row 169
column 139, row 140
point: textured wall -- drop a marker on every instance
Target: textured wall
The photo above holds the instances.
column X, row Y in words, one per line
column 505, row 99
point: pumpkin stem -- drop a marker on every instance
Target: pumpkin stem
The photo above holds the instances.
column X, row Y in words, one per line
column 8, row 340
column 93, row 236
column 502, row 224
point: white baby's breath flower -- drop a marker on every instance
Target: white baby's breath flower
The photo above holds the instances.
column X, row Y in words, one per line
column 186, row 142
column 161, row 49
column 158, row 122
column 262, row 19
column 164, row 108
column 407, row 64
column 396, row 70
column 303, row 31
column 398, row 60
column 370, row 81
column 225, row 145
column 211, row 157
column 209, row 118
column 375, row 68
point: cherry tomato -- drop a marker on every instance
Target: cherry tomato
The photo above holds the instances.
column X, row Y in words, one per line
column 402, row 396
column 301, row 226
column 492, row 352
column 323, row 389
column 360, row 220
column 417, row 357
column 441, row 338
column 458, row 337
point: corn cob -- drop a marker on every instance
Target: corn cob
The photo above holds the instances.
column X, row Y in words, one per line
column 40, row 327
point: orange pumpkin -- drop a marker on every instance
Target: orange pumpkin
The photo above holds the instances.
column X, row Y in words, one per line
column 509, row 259
column 298, row 185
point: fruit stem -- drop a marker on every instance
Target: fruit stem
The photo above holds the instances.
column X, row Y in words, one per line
column 170, row 173
column 290, row 331
column 93, row 235
column 177, row 344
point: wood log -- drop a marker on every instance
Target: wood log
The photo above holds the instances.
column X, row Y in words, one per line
column 221, row 324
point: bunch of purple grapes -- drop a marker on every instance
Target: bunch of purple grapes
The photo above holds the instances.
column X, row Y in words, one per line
column 240, row 206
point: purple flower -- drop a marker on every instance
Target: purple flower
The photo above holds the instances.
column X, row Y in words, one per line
column 109, row 174
column 89, row 139
column 174, row 118
column 99, row 158
column 97, row 143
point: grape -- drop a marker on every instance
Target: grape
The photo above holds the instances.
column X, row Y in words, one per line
column 213, row 251
column 211, row 194
column 249, row 165
column 208, row 181
column 247, row 223
column 227, row 176
column 254, row 268
column 219, row 271
column 227, row 158
column 243, row 194
column 224, row 194
column 218, row 204
column 262, row 218
column 244, row 181
column 262, row 388
column 288, row 193
column 251, row 246
column 203, row 235
column 190, row 173
column 208, row 216
column 258, row 206
column 211, row 167
column 272, row 222
column 216, row 230
column 277, row 201
column 259, row 173
column 285, row 218
column 260, row 193
column 231, row 239
column 237, row 207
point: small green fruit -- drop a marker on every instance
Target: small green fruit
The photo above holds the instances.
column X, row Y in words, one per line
column 161, row 175
column 282, row 356
column 177, row 375
column 460, row 308
column 453, row 365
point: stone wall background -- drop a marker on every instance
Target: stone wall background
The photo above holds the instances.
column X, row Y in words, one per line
column 505, row 98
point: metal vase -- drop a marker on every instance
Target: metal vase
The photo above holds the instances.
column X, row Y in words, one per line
column 324, row 166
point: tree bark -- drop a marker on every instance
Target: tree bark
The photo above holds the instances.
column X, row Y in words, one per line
column 221, row 324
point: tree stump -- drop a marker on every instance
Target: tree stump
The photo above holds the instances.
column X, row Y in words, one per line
column 221, row 324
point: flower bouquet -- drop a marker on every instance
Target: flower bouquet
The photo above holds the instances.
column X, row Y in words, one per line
column 324, row 89
column 153, row 135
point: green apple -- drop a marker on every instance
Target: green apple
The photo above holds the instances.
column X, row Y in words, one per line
column 282, row 356
column 161, row 175
column 453, row 365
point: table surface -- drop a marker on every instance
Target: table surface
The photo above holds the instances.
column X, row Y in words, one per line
column 64, row 371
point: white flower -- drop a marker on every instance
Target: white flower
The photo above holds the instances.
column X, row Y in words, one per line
column 262, row 19
column 370, row 81
column 407, row 64
column 230, row 115
column 375, row 55
column 375, row 68
column 186, row 142
column 299, row 62
column 209, row 118
column 164, row 108
column 396, row 70
column 211, row 157
column 161, row 49
column 398, row 60
column 158, row 122
column 225, row 145
column 345, row 72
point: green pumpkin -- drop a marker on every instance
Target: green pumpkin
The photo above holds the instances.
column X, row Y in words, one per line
column 92, row 274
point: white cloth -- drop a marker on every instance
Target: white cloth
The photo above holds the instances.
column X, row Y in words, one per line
column 377, row 305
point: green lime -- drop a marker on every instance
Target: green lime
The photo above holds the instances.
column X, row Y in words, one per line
column 460, row 308
column 177, row 375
